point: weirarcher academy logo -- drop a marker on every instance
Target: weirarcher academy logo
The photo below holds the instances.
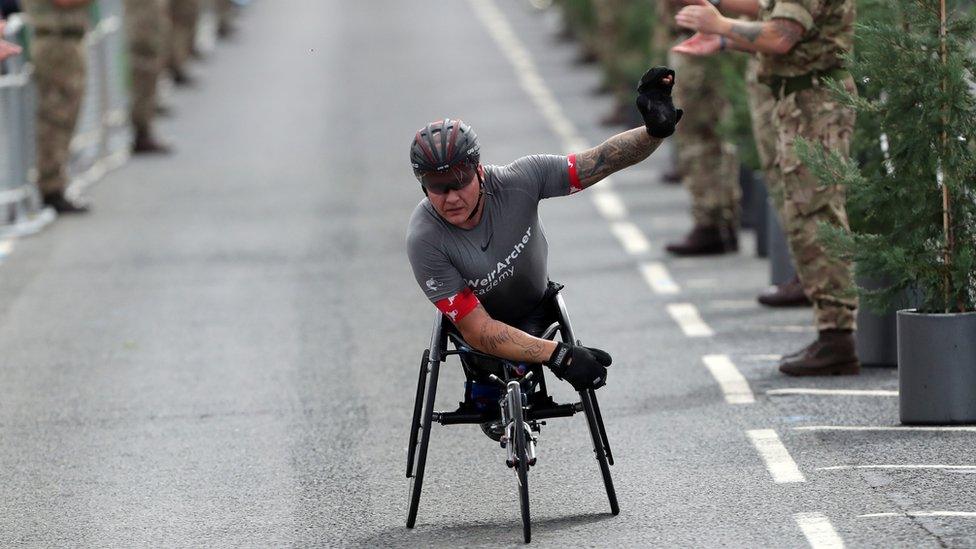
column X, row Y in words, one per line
column 432, row 285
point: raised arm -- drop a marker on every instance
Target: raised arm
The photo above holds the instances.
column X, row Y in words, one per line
column 620, row 151
column 749, row 8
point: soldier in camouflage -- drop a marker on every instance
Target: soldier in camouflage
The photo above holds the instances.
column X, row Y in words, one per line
column 709, row 166
column 184, row 15
column 146, row 23
column 800, row 45
column 58, row 54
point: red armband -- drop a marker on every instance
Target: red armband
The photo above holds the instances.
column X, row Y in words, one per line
column 458, row 305
column 574, row 181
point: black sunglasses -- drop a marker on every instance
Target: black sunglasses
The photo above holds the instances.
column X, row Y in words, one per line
column 437, row 183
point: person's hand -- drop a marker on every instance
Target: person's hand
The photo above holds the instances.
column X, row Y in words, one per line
column 583, row 367
column 7, row 49
column 700, row 45
column 654, row 102
column 701, row 16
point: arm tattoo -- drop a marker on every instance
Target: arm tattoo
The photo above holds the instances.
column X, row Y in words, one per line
column 492, row 339
column 498, row 338
column 620, row 151
column 747, row 31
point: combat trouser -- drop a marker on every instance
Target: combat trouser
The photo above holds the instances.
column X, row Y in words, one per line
column 59, row 74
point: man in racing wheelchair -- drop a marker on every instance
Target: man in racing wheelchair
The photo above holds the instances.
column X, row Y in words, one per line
column 478, row 251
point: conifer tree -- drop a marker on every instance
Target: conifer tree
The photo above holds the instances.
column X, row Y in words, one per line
column 918, row 197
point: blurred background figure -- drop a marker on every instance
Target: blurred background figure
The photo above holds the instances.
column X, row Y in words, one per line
column 58, row 54
column 184, row 15
column 226, row 15
column 7, row 49
column 707, row 165
column 147, row 27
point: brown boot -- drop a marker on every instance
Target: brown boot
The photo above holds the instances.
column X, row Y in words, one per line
column 671, row 177
column 787, row 294
column 832, row 353
column 704, row 240
column 64, row 205
column 145, row 143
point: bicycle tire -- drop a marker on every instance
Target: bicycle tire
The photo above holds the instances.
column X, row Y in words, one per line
column 420, row 461
column 521, row 451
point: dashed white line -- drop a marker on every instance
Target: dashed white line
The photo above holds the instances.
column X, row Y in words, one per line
column 657, row 277
column 609, row 205
column 6, row 246
column 962, row 514
column 833, row 392
column 687, row 317
column 734, row 386
column 818, row 530
column 907, row 467
column 630, row 237
column 920, row 428
column 778, row 461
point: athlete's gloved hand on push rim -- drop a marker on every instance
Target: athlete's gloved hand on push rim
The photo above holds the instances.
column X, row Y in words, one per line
column 583, row 367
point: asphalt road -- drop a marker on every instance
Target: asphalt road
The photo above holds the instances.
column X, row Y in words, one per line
column 224, row 353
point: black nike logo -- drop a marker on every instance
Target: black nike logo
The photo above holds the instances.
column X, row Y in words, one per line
column 484, row 247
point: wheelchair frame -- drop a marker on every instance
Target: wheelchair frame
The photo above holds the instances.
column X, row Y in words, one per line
column 424, row 414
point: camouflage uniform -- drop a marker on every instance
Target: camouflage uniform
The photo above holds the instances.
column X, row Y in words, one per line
column 709, row 167
column 184, row 15
column 58, row 54
column 804, row 108
column 146, row 24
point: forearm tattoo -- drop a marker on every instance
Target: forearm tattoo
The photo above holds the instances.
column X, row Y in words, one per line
column 620, row 151
column 747, row 31
column 496, row 337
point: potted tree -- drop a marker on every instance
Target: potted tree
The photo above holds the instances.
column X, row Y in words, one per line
column 922, row 204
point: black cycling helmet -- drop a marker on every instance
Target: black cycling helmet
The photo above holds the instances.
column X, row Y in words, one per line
column 443, row 145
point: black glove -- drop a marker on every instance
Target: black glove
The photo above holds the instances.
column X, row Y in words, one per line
column 654, row 102
column 583, row 367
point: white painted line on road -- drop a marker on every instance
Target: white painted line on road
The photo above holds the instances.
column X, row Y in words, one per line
column 6, row 247
column 778, row 461
column 913, row 514
column 630, row 237
column 833, row 392
column 659, row 279
column 946, row 429
column 818, row 530
column 687, row 317
column 609, row 204
column 735, row 387
column 905, row 467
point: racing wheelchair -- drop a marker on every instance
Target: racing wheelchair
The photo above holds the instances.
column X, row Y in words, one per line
column 520, row 411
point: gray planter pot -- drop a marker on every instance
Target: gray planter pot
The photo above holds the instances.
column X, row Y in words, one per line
column 876, row 335
column 780, row 259
column 937, row 368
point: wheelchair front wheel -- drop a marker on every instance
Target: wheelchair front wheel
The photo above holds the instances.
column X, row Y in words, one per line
column 520, row 451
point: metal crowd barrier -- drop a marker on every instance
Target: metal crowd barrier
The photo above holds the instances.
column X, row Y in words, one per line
column 20, row 203
column 103, row 136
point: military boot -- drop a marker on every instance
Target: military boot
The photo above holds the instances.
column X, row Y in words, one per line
column 787, row 294
column 833, row 353
column 146, row 143
column 64, row 205
column 704, row 240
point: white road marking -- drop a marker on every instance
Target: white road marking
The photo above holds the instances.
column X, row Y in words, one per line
column 778, row 461
column 657, row 277
column 6, row 247
column 687, row 317
column 946, row 429
column 630, row 237
column 833, row 392
column 913, row 514
column 908, row 467
column 818, row 530
column 609, row 204
column 735, row 387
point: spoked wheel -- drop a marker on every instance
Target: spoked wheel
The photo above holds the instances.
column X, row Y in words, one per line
column 423, row 418
column 595, row 423
column 520, row 449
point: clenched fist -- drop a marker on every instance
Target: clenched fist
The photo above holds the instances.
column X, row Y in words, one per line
column 654, row 102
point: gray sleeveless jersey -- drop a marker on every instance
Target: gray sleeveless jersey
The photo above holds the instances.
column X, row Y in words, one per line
column 503, row 260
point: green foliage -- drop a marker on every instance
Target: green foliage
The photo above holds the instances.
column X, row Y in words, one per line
column 927, row 110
